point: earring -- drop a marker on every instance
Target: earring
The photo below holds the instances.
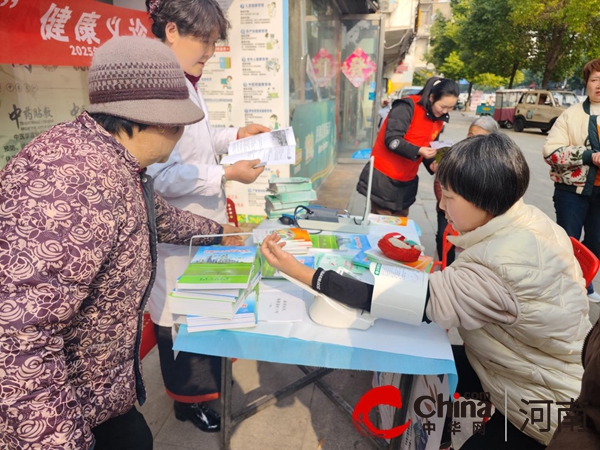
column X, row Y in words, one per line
column 161, row 129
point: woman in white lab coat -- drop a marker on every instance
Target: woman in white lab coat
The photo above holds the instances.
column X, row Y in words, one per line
column 192, row 179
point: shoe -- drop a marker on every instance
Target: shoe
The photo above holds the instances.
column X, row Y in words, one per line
column 200, row 415
column 594, row 297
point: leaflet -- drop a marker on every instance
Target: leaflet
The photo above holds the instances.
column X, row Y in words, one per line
column 274, row 147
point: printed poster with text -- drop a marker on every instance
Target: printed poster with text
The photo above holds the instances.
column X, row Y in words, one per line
column 46, row 48
column 246, row 81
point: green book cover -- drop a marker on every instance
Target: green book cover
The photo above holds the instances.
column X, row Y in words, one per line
column 440, row 154
column 324, row 241
column 302, row 196
column 222, row 267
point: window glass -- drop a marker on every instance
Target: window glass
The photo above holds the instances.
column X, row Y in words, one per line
column 565, row 98
column 314, row 30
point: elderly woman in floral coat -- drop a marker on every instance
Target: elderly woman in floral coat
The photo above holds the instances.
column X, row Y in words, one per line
column 79, row 224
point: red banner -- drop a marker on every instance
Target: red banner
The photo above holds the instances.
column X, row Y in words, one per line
column 62, row 32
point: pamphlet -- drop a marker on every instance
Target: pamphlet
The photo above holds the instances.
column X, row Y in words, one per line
column 351, row 242
column 281, row 304
column 324, row 242
column 274, row 147
column 442, row 147
column 388, row 220
column 332, row 261
column 269, row 271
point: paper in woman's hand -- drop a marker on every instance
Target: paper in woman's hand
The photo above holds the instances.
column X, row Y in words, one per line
column 274, row 147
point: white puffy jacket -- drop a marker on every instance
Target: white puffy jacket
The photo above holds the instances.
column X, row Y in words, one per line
column 517, row 294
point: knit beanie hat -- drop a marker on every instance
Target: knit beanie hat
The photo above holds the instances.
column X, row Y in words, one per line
column 139, row 79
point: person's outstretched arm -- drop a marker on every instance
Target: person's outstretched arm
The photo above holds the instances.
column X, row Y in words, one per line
column 353, row 293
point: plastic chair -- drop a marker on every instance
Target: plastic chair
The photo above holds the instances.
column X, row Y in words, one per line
column 587, row 260
column 449, row 231
column 231, row 214
column 148, row 336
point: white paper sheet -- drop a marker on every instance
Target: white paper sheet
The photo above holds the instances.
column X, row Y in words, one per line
column 440, row 144
column 280, row 302
column 275, row 147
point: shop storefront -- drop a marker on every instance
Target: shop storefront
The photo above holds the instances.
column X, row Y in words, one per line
column 310, row 64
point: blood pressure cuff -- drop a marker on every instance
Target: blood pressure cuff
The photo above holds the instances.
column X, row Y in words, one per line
column 353, row 293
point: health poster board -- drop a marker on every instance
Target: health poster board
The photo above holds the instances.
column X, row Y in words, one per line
column 247, row 81
column 33, row 99
column 47, row 46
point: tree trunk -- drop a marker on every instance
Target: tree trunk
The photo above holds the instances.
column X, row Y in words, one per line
column 554, row 53
column 513, row 73
column 468, row 104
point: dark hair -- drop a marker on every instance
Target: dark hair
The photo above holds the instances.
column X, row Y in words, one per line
column 439, row 87
column 591, row 66
column 489, row 171
column 199, row 18
column 117, row 125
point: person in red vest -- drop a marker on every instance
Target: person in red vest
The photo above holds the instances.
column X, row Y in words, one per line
column 403, row 142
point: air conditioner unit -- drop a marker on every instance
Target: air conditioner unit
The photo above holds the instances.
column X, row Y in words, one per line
column 387, row 6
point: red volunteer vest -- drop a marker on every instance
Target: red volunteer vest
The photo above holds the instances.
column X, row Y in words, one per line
column 421, row 132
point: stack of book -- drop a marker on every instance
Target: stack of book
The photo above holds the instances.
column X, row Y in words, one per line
column 217, row 283
column 285, row 194
column 245, row 317
column 297, row 241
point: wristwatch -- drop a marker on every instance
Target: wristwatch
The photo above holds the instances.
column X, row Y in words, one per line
column 223, row 177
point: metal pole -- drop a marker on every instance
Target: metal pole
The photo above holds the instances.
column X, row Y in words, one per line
column 282, row 393
column 226, row 419
column 406, row 384
column 378, row 81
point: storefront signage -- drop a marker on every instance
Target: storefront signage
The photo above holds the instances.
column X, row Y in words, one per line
column 62, row 32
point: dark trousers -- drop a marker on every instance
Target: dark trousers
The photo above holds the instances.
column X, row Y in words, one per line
column 442, row 223
column 575, row 212
column 189, row 378
column 493, row 439
column 127, row 432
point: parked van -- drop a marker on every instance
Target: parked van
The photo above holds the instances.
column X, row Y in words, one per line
column 406, row 91
column 540, row 108
column 504, row 110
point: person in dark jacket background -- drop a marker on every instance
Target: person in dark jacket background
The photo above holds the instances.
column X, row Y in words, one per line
column 403, row 142
column 581, row 429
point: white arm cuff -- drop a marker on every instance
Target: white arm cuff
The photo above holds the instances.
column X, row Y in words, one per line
column 399, row 294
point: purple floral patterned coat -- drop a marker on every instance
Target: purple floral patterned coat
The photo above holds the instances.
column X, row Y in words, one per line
column 78, row 230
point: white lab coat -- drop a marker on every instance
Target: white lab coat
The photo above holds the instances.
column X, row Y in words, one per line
column 189, row 180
